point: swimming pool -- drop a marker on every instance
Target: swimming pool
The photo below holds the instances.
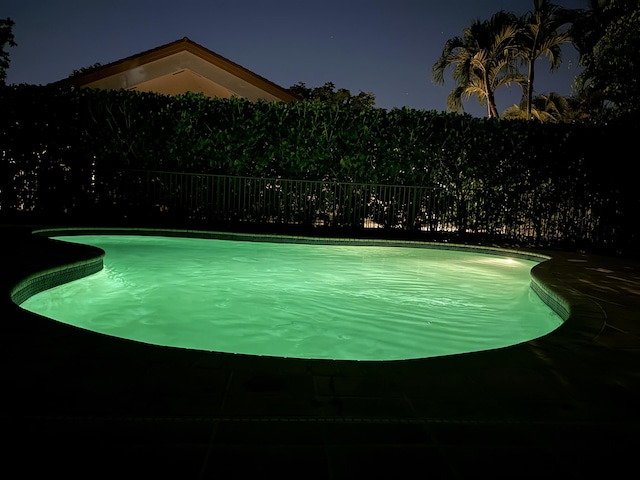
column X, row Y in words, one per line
column 334, row 301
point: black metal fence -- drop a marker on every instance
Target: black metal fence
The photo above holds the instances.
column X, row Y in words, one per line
column 550, row 216
column 227, row 200
column 528, row 217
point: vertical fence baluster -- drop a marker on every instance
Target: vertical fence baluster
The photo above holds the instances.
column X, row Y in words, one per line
column 224, row 199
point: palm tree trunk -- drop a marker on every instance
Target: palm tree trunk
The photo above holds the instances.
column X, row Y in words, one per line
column 530, row 87
column 492, row 110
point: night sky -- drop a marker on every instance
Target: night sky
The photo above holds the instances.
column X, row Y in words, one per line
column 386, row 47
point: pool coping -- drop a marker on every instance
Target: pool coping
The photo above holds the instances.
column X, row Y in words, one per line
column 273, row 238
column 52, row 277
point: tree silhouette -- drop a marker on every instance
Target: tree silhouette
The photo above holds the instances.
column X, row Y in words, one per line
column 328, row 94
column 6, row 39
column 607, row 36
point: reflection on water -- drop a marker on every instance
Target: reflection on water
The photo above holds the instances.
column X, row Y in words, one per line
column 295, row 300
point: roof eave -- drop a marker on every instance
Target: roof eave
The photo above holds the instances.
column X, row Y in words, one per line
column 184, row 44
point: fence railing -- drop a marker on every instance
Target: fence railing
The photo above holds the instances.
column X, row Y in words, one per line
column 528, row 217
column 231, row 199
column 532, row 216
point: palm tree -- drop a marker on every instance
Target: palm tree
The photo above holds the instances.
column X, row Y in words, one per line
column 552, row 108
column 540, row 36
column 482, row 60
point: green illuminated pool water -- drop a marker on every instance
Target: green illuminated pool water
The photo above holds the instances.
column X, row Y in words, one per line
column 301, row 300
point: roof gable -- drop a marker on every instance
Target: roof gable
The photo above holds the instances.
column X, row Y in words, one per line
column 180, row 67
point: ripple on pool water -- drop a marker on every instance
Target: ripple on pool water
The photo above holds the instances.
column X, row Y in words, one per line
column 298, row 300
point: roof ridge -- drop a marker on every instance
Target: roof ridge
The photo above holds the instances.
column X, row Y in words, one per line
column 176, row 46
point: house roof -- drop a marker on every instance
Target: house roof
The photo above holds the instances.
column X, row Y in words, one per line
column 179, row 67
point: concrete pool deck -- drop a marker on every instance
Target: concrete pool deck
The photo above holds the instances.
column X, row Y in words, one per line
column 90, row 406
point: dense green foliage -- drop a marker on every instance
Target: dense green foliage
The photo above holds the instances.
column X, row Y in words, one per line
column 85, row 70
column 62, row 150
column 608, row 38
column 327, row 93
column 304, row 140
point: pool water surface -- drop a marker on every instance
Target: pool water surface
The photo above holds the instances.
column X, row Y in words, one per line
column 301, row 300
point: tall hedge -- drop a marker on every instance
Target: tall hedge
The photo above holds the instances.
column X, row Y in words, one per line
column 60, row 147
